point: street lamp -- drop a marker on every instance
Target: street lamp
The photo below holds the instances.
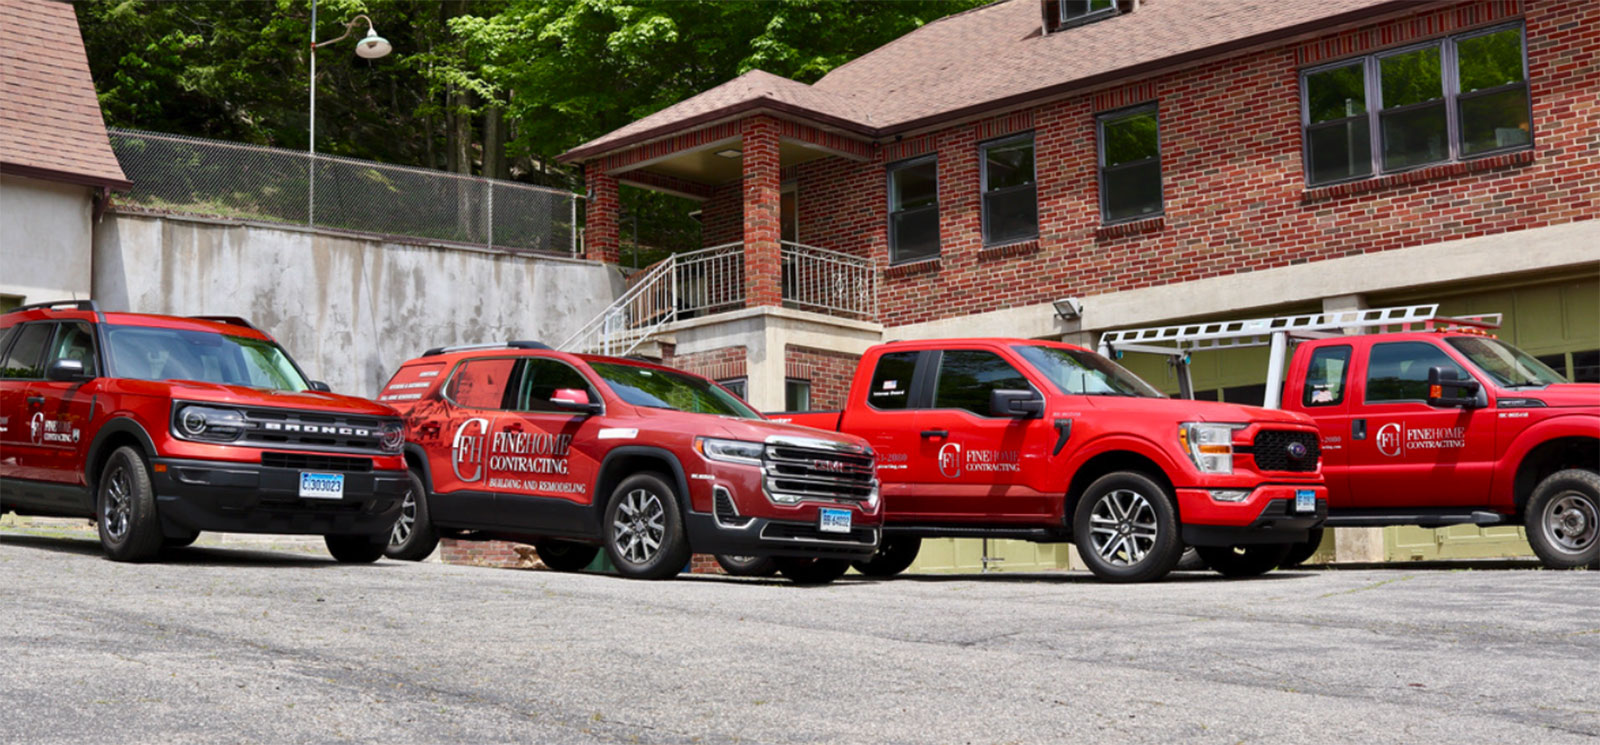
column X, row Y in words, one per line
column 372, row 46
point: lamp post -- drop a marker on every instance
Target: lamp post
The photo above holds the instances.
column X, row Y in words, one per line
column 372, row 46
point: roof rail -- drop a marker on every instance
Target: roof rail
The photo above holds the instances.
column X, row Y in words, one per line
column 1257, row 332
column 523, row 344
column 88, row 305
column 230, row 320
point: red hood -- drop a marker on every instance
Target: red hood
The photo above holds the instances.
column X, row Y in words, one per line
column 1560, row 395
column 1183, row 410
column 239, row 395
column 755, row 430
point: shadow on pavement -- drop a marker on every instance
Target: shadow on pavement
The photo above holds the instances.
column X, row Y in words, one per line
column 191, row 555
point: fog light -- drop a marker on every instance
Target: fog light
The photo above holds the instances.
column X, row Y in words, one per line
column 1229, row 495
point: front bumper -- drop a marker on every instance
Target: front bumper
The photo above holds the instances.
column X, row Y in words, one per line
column 1267, row 515
column 759, row 536
column 251, row 498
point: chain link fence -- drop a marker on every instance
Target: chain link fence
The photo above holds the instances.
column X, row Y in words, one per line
column 193, row 176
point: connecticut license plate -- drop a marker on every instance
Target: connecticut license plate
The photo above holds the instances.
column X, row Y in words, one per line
column 321, row 485
column 1305, row 500
column 834, row 521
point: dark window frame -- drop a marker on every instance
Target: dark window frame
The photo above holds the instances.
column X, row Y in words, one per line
column 911, row 402
column 938, row 373
column 1101, row 170
column 1344, row 376
column 1366, row 382
column 1372, row 86
column 796, row 381
column 743, row 384
column 983, row 185
column 41, row 364
column 890, row 170
column 519, row 376
column 1090, row 16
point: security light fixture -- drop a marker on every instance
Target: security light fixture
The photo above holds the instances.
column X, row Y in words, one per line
column 1068, row 307
column 731, row 152
column 373, row 46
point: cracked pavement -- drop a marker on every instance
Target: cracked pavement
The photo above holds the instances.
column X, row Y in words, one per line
column 253, row 645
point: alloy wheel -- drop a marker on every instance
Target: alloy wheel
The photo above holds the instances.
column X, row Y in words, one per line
column 1122, row 527
column 408, row 519
column 640, row 526
column 119, row 501
column 1571, row 522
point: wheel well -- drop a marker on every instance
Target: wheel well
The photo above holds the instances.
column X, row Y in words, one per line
column 1559, row 454
column 91, row 474
column 622, row 466
column 1111, row 462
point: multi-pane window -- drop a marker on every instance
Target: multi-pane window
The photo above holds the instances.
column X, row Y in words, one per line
column 1130, row 164
column 1073, row 11
column 1445, row 100
column 913, row 210
column 1010, row 197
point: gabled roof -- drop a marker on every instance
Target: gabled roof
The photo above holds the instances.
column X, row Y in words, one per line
column 50, row 122
column 996, row 56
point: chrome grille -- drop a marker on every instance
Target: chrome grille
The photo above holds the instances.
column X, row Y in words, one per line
column 818, row 471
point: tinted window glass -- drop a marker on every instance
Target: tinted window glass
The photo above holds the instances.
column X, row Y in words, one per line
column 663, row 389
column 1509, row 366
column 891, row 382
column 149, row 353
column 1010, row 206
column 1325, row 376
column 968, row 377
column 26, row 356
column 913, row 211
column 796, row 395
column 1398, row 371
column 543, row 379
column 481, row 384
column 1130, row 165
column 1586, row 366
column 1086, row 373
column 74, row 341
column 6, row 337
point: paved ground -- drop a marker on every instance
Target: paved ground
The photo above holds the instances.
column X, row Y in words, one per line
column 253, row 645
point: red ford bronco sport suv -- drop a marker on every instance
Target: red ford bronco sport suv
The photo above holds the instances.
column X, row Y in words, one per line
column 1043, row 441
column 159, row 427
column 569, row 452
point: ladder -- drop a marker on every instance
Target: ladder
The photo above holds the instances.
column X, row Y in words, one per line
column 1180, row 342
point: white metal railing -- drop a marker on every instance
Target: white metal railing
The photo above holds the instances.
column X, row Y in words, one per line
column 712, row 280
column 829, row 282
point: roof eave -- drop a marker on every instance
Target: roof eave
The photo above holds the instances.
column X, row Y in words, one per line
column 65, row 177
column 583, row 153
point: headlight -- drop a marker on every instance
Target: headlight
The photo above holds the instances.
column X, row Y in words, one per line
column 392, row 436
column 209, row 423
column 732, row 451
column 1209, row 445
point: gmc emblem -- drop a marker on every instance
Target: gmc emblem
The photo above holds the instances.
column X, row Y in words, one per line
column 831, row 466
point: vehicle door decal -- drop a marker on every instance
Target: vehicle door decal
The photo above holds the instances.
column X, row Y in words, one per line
column 466, row 449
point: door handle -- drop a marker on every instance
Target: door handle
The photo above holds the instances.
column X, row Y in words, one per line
column 36, row 400
column 1358, row 429
column 929, row 434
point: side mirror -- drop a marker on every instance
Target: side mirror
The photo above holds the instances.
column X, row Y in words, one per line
column 66, row 370
column 319, row 386
column 1447, row 388
column 1023, row 404
column 575, row 400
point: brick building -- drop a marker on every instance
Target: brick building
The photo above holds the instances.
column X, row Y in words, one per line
column 1159, row 161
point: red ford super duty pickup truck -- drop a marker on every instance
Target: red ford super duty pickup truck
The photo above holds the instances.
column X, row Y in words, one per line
column 569, row 452
column 159, row 427
column 1441, row 426
column 1042, row 441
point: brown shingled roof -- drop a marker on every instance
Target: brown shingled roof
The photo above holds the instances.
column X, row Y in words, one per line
column 50, row 122
column 995, row 56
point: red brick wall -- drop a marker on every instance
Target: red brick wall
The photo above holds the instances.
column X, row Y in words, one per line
column 489, row 554
column 829, row 372
column 1233, row 180
column 717, row 364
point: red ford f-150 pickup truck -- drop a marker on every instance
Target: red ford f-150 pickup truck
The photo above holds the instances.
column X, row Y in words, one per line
column 1043, row 441
column 1441, row 426
column 573, row 452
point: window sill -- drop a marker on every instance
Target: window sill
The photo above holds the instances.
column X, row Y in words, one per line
column 923, row 266
column 1429, row 173
column 1131, row 227
column 1009, row 250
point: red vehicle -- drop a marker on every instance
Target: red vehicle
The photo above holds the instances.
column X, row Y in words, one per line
column 1016, row 438
column 573, row 452
column 159, row 427
column 1441, row 426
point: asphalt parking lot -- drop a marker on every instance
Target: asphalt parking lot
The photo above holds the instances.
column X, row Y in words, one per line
column 253, row 645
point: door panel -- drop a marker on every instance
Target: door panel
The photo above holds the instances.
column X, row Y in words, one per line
column 1323, row 392
column 67, row 406
column 531, row 458
column 885, row 415
column 474, row 397
column 24, row 455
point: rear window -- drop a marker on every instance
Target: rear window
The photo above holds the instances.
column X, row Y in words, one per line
column 891, row 382
column 411, row 382
column 26, row 357
column 1325, row 376
column 481, row 384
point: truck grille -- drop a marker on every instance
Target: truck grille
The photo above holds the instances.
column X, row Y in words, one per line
column 316, row 462
column 1286, row 450
column 305, row 430
column 795, row 469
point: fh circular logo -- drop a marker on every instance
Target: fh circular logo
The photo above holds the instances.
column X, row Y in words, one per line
column 950, row 460
column 36, row 426
column 1389, row 439
column 466, row 452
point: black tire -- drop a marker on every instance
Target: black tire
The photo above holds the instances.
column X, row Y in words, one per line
column 893, row 557
column 413, row 536
column 356, row 549
column 565, row 556
column 186, row 539
column 644, row 508
column 1126, row 528
column 748, row 566
column 1563, row 519
column 125, row 508
column 812, row 571
column 1252, row 560
column 1300, row 552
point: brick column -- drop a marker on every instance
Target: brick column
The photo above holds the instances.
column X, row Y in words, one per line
column 600, row 241
column 762, row 252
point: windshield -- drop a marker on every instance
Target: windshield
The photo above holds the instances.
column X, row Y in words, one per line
column 1085, row 373
column 660, row 389
column 147, row 353
column 1509, row 366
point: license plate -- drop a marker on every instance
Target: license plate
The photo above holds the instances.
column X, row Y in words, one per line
column 1305, row 500
column 834, row 521
column 321, row 485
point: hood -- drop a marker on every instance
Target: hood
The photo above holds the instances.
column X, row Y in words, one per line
column 1559, row 395
column 240, row 395
column 1184, row 410
column 756, row 430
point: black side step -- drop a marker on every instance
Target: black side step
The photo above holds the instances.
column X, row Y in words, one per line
column 1423, row 518
column 1037, row 535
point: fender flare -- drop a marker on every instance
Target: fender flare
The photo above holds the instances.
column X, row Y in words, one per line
column 412, row 448
column 682, row 485
column 114, row 426
column 1125, row 442
column 1574, row 424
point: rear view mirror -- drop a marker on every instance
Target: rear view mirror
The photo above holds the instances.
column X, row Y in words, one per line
column 1447, row 388
column 1020, row 404
column 62, row 370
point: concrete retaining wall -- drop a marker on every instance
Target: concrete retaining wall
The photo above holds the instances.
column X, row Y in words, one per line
column 350, row 309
